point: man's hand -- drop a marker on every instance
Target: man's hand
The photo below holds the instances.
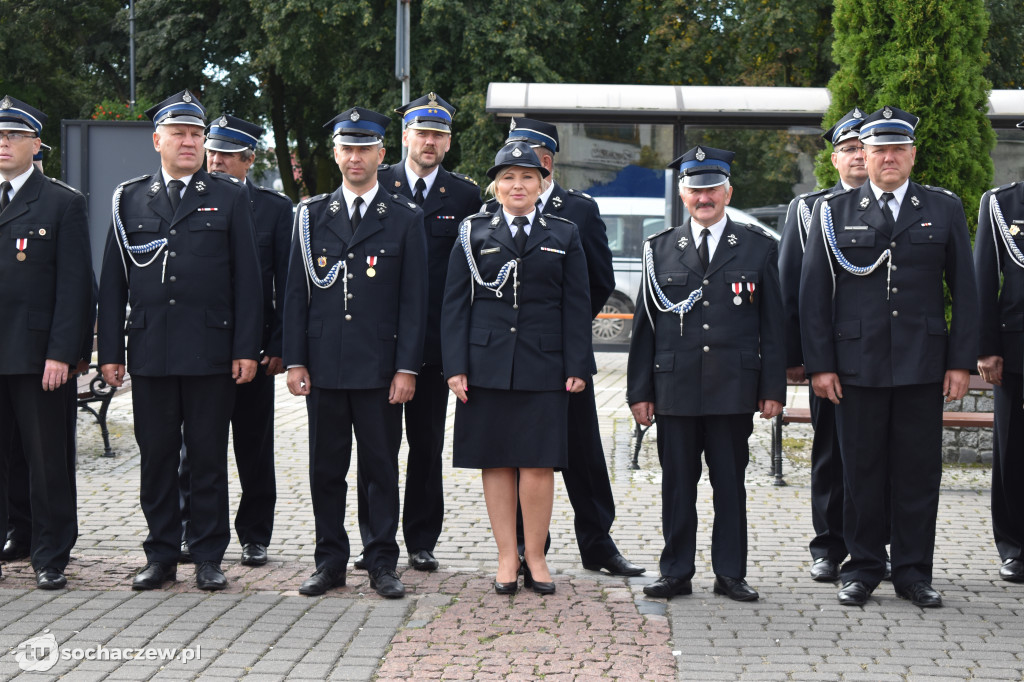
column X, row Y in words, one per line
column 55, row 374
column 274, row 365
column 769, row 408
column 643, row 412
column 990, row 367
column 403, row 387
column 575, row 384
column 298, row 381
column 113, row 375
column 796, row 375
column 82, row 367
column 955, row 386
column 459, row 385
column 243, row 371
column 826, row 385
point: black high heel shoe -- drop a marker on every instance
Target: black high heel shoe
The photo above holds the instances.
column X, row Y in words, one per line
column 510, row 587
column 538, row 587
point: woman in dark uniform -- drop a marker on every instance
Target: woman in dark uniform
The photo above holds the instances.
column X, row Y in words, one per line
column 515, row 339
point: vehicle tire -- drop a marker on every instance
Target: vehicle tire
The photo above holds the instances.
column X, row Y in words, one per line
column 612, row 330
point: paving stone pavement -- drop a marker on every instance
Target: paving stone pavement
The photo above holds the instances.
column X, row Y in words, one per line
column 452, row 626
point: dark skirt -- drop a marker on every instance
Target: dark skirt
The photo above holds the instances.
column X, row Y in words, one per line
column 511, row 429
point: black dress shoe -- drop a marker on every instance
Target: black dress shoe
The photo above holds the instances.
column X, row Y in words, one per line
column 667, row 587
column 360, row 563
column 1012, row 570
column 153, row 576
column 254, row 554
column 423, row 560
column 921, row 594
column 186, row 553
column 324, row 579
column 14, row 550
column 209, row 576
column 535, row 585
column 386, row 583
column 616, row 565
column 506, row 588
column 736, row 589
column 854, row 593
column 50, row 579
column 824, row 570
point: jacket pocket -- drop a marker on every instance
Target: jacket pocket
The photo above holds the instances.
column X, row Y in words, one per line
column 741, row 276
column 479, row 337
column 664, row 362
column 936, row 325
column 854, row 238
column 208, row 236
column 1012, row 322
column 551, row 342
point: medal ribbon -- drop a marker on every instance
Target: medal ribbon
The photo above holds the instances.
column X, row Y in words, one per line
column 22, row 243
column 737, row 288
column 371, row 261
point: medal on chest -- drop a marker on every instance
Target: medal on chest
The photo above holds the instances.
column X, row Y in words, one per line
column 371, row 261
column 737, row 288
column 22, row 244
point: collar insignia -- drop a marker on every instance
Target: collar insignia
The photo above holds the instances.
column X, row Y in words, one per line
column 200, row 186
column 517, row 152
column 700, row 154
column 682, row 243
column 354, row 116
column 732, row 240
column 864, row 202
column 540, row 219
column 382, row 209
column 155, row 187
column 887, row 112
column 914, row 200
column 334, row 207
column 495, row 220
column 557, row 202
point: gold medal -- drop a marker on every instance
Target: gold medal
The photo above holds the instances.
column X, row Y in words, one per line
column 21, row 256
column 1014, row 230
column 322, row 261
column 370, row 272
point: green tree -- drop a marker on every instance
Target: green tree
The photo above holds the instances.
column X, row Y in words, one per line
column 1005, row 44
column 925, row 57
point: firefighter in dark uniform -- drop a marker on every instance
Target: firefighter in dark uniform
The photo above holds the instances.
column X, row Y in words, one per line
column 445, row 199
column 586, row 479
column 999, row 264
column 827, row 547
column 707, row 351
column 231, row 148
column 872, row 321
column 47, row 274
column 354, row 319
column 182, row 253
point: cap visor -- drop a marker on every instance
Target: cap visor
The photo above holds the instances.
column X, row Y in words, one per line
column 9, row 124
column 705, row 180
column 357, row 140
column 215, row 145
column 429, row 125
column 884, row 139
column 494, row 171
column 182, row 121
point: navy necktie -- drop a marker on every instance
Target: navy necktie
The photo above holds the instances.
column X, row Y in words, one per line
column 356, row 216
column 520, row 236
column 421, row 189
column 702, row 249
column 174, row 188
column 890, row 220
column 5, row 197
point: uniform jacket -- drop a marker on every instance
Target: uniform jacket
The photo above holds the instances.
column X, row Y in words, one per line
column 581, row 209
column 538, row 345
column 197, row 307
column 451, row 198
column 381, row 330
column 1001, row 307
column 869, row 338
column 272, row 216
column 729, row 356
column 791, row 257
column 45, row 299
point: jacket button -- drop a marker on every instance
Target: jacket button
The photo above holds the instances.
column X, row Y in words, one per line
column 895, row 313
column 208, row 224
column 705, row 282
column 743, row 276
column 173, row 255
column 171, row 302
column 895, row 290
column 174, row 232
column 383, row 251
column 853, row 241
column 348, row 318
column 669, row 279
column 351, row 256
column 224, row 323
column 351, row 275
column 707, row 303
column 31, row 232
column 892, row 244
column 348, row 296
column 707, row 348
column 139, row 227
column 707, row 326
column 323, row 250
column 173, row 278
column 657, row 366
column 894, row 268
column 513, row 330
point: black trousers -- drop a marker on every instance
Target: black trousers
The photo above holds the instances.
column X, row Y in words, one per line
column 252, row 430
column 891, row 441
column 1008, row 468
column 826, row 483
column 423, row 507
column 198, row 409
column 723, row 441
column 19, row 503
column 41, row 419
column 333, row 414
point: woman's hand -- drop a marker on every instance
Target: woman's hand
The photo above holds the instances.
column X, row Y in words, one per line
column 459, row 385
column 575, row 384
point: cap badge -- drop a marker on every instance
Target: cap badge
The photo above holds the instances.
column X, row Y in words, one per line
column 517, row 152
column 354, row 116
column 682, row 243
column 223, row 122
column 887, row 112
column 382, row 209
column 557, row 201
column 856, row 113
column 700, row 154
column 6, row 102
column 914, row 200
column 432, row 97
column 186, row 97
column 334, row 207
column 864, row 202
column 200, row 186
column 512, row 125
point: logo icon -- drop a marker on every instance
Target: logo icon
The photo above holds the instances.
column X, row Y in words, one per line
column 38, row 654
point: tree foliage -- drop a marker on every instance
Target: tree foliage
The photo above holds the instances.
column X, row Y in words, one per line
column 925, row 57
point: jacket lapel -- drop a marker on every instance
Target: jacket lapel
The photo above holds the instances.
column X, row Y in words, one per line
column 28, row 193
column 725, row 251
column 158, row 201
column 870, row 213
column 540, row 231
column 910, row 210
column 336, row 216
column 194, row 196
column 377, row 209
column 688, row 248
column 501, row 232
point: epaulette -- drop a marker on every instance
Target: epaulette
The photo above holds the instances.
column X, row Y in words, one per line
column 943, row 190
column 310, row 200
column 577, row 193
column 383, row 167
column 269, row 190
column 1003, row 187
column 464, row 178
column 490, row 206
column 64, row 185
column 227, row 177
column 404, row 202
column 478, row 214
column 560, row 219
column 133, row 180
column 658, row 234
column 837, row 193
column 757, row 229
